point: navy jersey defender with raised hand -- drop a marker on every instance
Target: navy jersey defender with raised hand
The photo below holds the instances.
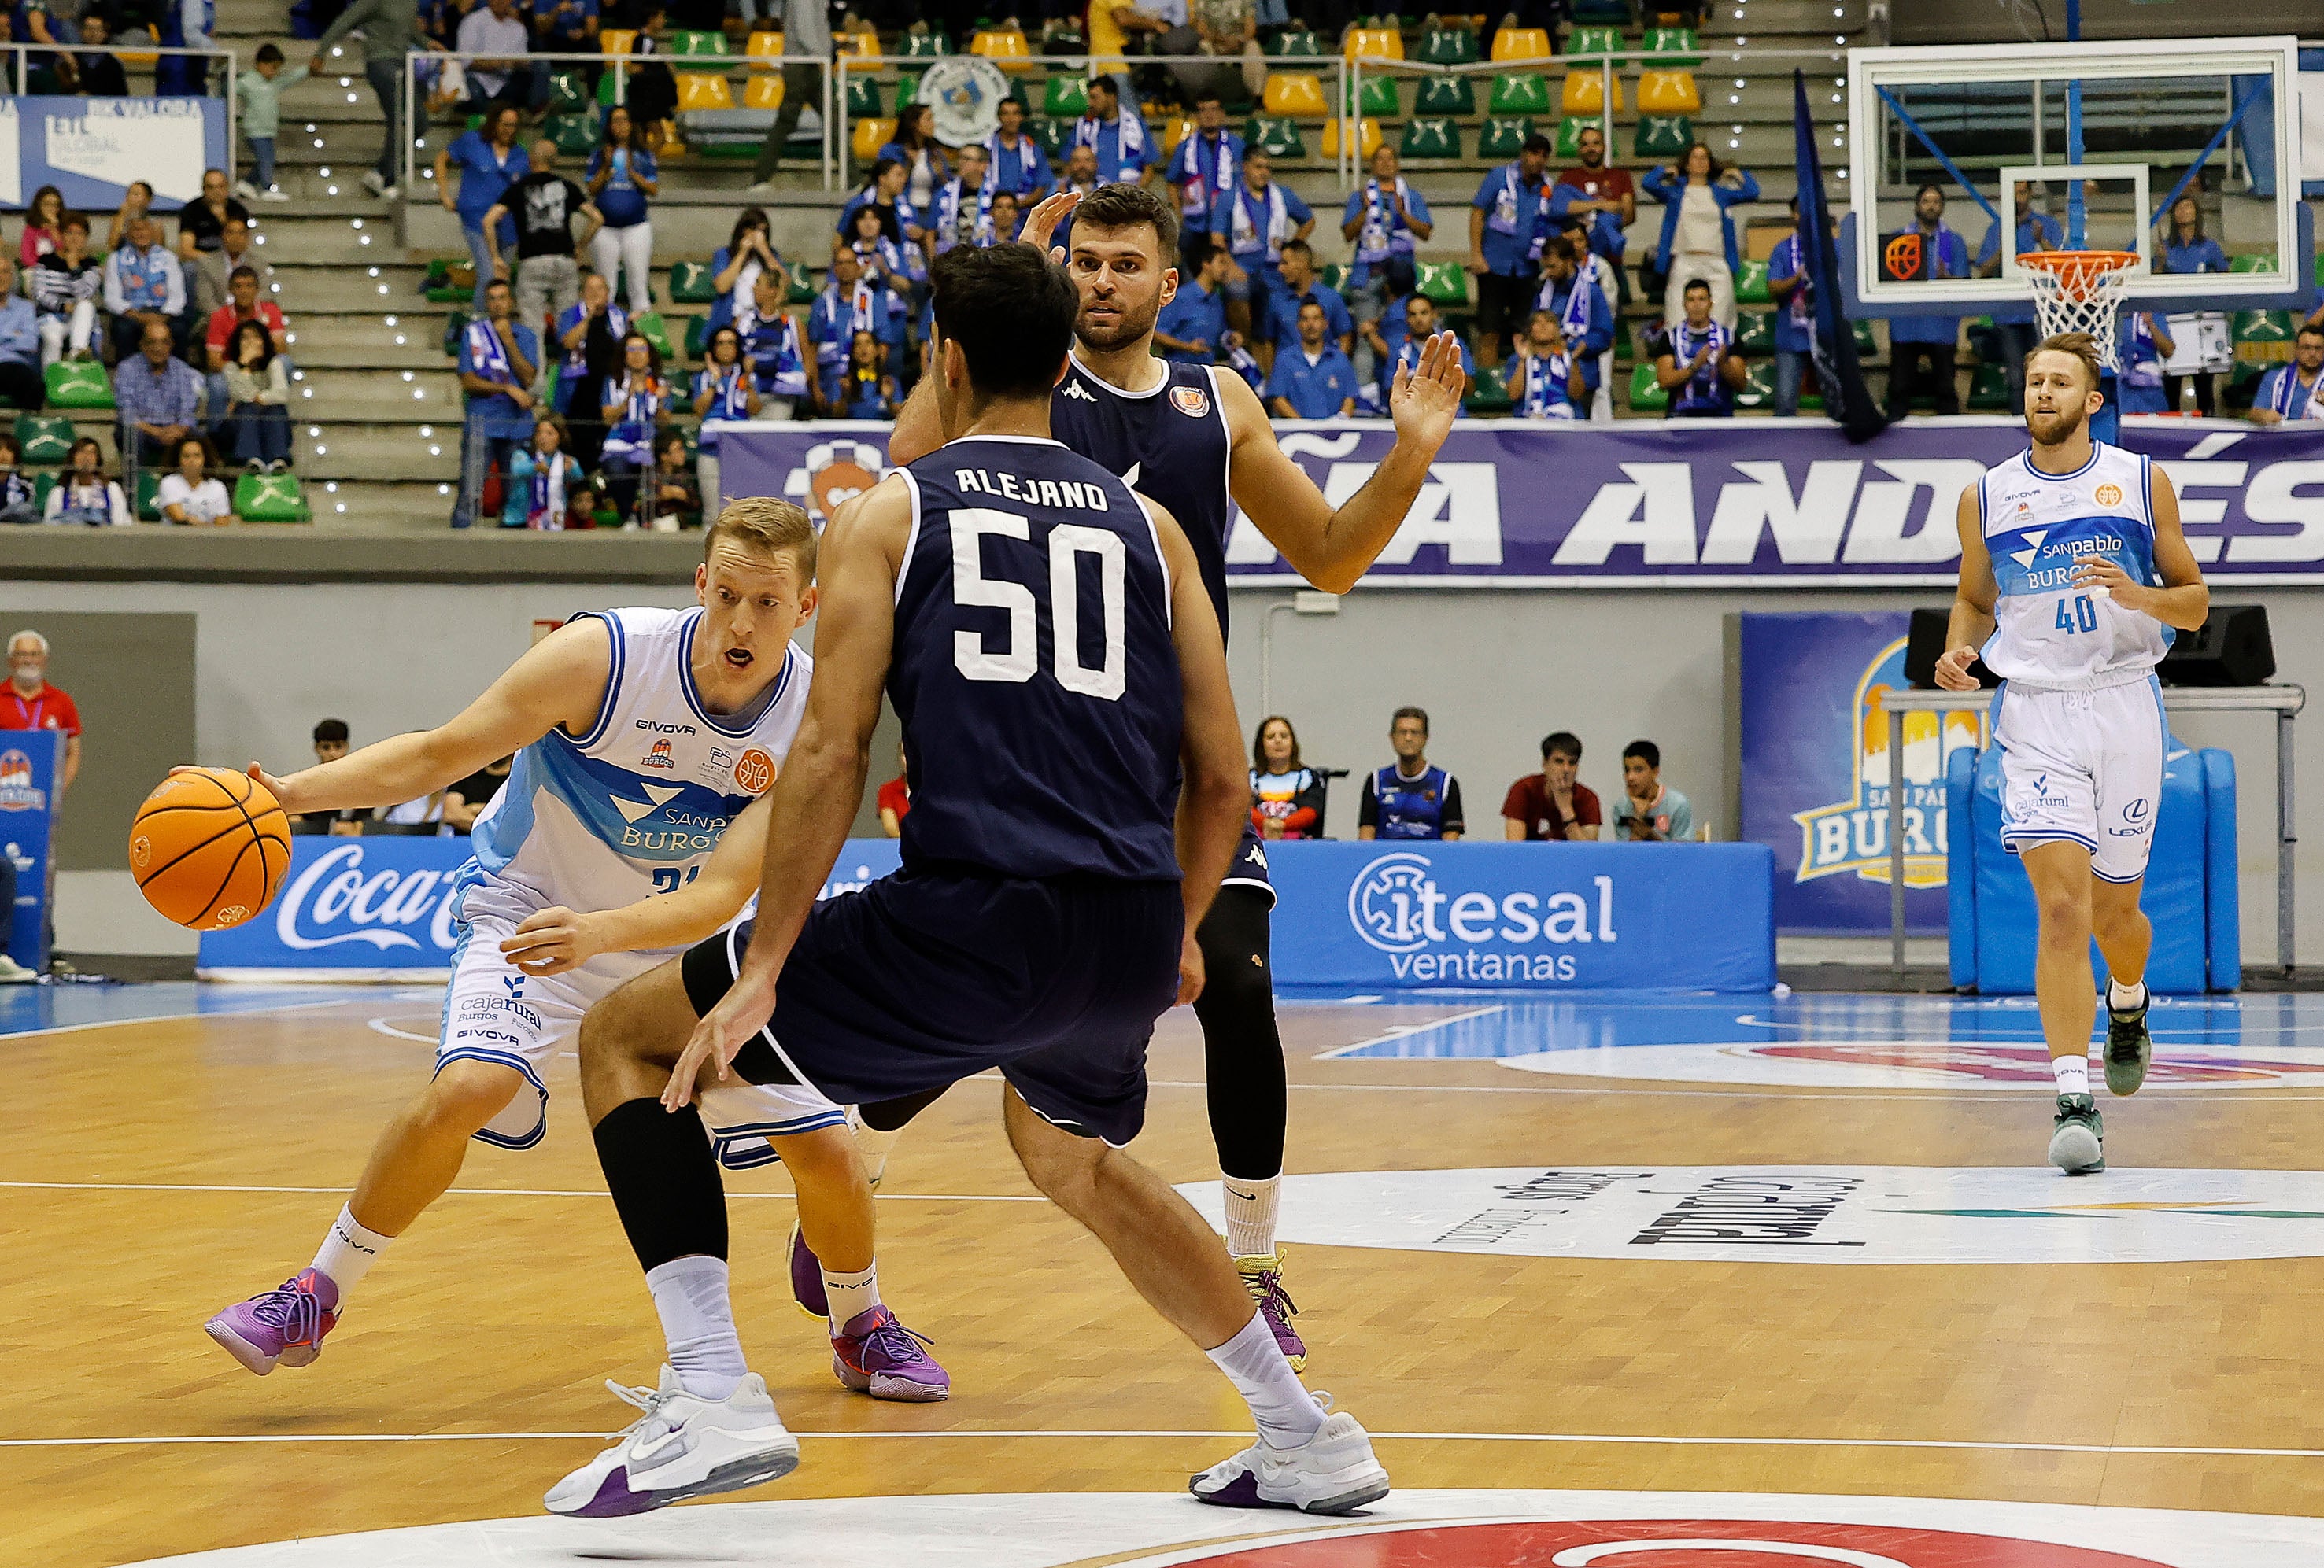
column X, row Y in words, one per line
column 1195, row 438
column 1046, row 639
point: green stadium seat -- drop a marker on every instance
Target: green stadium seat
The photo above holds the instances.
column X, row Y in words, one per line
column 929, row 45
column 1569, row 134
column 1445, row 95
column 1867, row 347
column 1066, row 95
column 692, row 283
column 651, row 326
column 697, row 335
column 1503, row 138
column 1523, row 93
column 1674, row 48
column 2247, row 327
column 1751, row 287
column 2263, row 262
column 1054, row 137
column 1448, row 46
column 455, row 325
column 43, row 484
column 1758, row 387
column 1489, row 396
column 1663, row 135
column 1646, row 394
column 568, row 90
column 689, row 48
column 1378, row 97
column 1587, row 43
column 46, row 439
column 1274, row 135
column 1755, row 332
column 146, row 504
column 863, row 99
column 78, row 384
column 575, row 134
column 1296, row 44
column 1988, row 388
column 1445, row 283
column 270, row 498
column 1335, row 277
column 802, row 284
column 1431, row 136
column 907, row 88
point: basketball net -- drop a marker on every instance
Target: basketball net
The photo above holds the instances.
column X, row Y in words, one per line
column 2080, row 291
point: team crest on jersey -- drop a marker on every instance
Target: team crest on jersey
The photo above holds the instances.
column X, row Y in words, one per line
column 1192, row 402
column 2108, row 495
column 659, row 757
column 754, row 770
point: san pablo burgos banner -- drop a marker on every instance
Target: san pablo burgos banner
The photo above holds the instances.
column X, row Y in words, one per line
column 1374, row 916
column 1750, row 502
column 1814, row 768
column 91, row 148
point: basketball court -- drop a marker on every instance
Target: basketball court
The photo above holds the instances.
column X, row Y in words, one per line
column 1784, row 1278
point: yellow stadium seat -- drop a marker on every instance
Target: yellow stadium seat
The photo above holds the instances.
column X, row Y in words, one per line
column 616, row 41
column 1177, row 131
column 1293, row 95
column 764, row 46
column 869, row 137
column 1521, row 43
column 762, row 91
column 1668, row 92
column 1375, row 43
column 138, row 59
column 702, row 89
column 1368, row 137
column 1586, row 91
column 1005, row 47
column 861, row 47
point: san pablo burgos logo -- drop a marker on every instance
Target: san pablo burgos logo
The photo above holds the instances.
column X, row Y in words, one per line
column 1433, row 935
column 1852, row 835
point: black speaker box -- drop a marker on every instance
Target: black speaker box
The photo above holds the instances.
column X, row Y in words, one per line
column 2231, row 649
column 1925, row 643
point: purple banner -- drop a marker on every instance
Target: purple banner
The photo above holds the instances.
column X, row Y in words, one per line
column 1514, row 504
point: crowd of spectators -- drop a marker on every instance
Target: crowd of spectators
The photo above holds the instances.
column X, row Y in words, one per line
column 446, row 812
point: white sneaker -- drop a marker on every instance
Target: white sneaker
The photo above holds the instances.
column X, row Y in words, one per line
column 245, row 190
column 1333, row 1472
column 683, row 1446
column 12, row 973
column 275, row 193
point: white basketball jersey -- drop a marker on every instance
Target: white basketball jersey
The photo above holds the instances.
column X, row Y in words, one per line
column 2039, row 527
column 635, row 806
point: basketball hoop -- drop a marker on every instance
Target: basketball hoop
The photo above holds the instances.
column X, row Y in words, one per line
column 2080, row 291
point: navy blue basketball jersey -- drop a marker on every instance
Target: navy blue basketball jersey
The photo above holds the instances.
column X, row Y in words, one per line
column 1170, row 443
column 1033, row 667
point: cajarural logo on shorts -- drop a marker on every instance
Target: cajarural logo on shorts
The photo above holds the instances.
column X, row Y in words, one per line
column 1432, row 932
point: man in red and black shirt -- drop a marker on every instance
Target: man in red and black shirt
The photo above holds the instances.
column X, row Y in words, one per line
column 1552, row 803
column 29, row 702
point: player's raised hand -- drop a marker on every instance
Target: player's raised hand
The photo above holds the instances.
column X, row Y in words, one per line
column 1424, row 400
column 552, row 940
column 722, row 1032
column 1044, row 220
column 1952, row 669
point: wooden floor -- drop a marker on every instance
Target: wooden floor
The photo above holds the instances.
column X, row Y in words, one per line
column 157, row 1169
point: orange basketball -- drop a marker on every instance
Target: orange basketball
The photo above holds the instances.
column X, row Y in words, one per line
column 209, row 847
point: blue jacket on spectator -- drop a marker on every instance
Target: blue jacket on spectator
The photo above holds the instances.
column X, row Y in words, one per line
column 1402, row 352
column 1598, row 337
column 1194, row 315
column 1338, row 324
column 1671, row 194
column 501, row 416
column 1201, row 171
column 1023, row 169
column 20, row 338
column 1517, row 219
column 2202, row 255
column 485, row 178
column 2138, row 388
column 1385, row 234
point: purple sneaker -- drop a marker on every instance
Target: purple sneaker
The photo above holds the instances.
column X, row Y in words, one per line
column 806, row 1279
column 284, row 1325
column 878, row 1356
column 1263, row 1278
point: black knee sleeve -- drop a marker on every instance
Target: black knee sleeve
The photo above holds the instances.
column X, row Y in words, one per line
column 664, row 1177
column 1242, row 1052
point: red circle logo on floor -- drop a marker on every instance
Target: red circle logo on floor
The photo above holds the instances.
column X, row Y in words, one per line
column 1665, row 1543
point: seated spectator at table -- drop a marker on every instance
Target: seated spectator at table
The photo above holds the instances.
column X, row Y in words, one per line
column 636, row 408
column 1386, row 219
column 83, row 494
column 894, row 801
column 466, row 801
column 1409, row 799
column 1413, row 326
column 1699, row 366
column 1650, row 810
column 201, row 221
column 1018, row 166
column 735, row 268
column 962, row 211
column 159, row 398
column 1553, row 805
column 96, row 73
column 868, row 392
column 144, row 286
column 1584, row 319
column 21, row 381
column 1115, row 133
column 1192, row 326
column 2144, row 343
column 497, row 356
column 1287, row 796
column 64, row 284
column 1314, row 380
column 19, row 496
column 849, row 303
column 243, row 303
column 257, row 397
column 545, row 489
column 2294, row 392
column 495, row 32
column 189, row 494
column 1543, row 381
column 1298, row 285
column 330, row 740
column 1257, row 219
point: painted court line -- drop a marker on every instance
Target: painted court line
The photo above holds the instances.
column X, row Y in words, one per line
column 1084, row 1434
column 220, row 1015
column 1407, row 1030
column 478, row 1191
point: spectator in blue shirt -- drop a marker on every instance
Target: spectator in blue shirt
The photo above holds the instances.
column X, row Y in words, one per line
column 489, row 162
column 1912, row 339
column 1192, row 328
column 622, row 174
column 1018, row 164
column 1414, row 325
column 1543, row 381
column 1386, row 219
column 159, row 399
column 851, row 303
column 2013, row 324
column 1698, row 237
column 1314, row 380
column 1699, row 366
column 568, row 27
column 1506, row 219
column 21, row 381
column 1570, row 291
column 2144, row 344
column 1300, row 285
column 1205, row 167
column 2294, row 392
column 1256, row 220
column 1117, row 134
column 2186, row 248
column 498, row 356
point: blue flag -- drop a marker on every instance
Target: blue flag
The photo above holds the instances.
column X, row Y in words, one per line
column 1846, row 397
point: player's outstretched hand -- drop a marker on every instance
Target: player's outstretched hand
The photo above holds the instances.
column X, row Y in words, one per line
column 1424, row 400
column 1044, row 220
column 1952, row 669
column 280, row 791
column 722, row 1032
column 1191, row 973
column 552, row 940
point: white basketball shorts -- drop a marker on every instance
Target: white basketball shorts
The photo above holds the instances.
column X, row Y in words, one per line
column 494, row 1011
column 2085, row 767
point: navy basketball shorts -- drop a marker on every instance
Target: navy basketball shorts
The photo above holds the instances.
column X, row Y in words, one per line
column 929, row 976
column 1249, row 868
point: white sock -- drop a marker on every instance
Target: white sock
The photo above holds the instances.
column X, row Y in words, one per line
column 1250, row 1215
column 2073, row 1074
column 1287, row 1413
column 349, row 1251
column 698, row 1319
column 2124, row 998
column 873, row 1147
column 851, row 1296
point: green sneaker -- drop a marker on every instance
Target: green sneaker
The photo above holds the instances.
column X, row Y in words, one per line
column 2129, row 1047
column 2078, row 1146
